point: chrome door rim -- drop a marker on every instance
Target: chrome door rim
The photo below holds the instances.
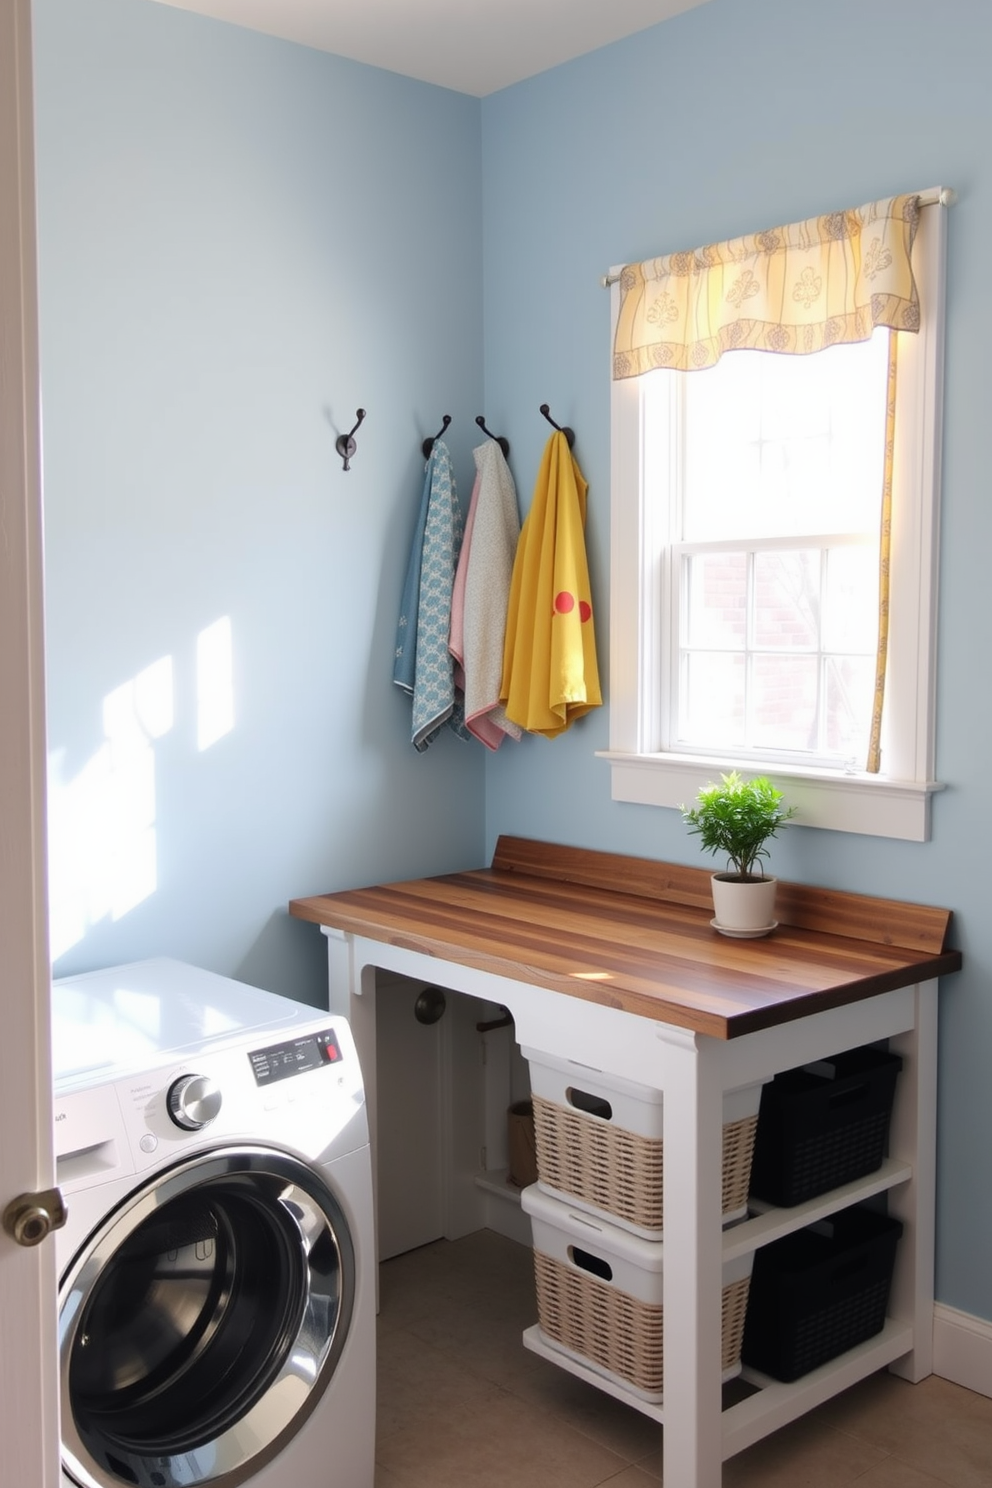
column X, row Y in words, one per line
column 302, row 1205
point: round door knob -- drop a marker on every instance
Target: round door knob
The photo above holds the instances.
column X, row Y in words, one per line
column 32, row 1225
column 30, row 1217
column 194, row 1101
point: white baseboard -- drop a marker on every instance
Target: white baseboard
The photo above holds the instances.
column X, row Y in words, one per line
column 962, row 1349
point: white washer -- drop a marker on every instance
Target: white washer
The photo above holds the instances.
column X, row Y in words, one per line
column 216, row 1272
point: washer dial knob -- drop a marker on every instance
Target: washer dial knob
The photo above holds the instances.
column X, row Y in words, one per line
column 194, row 1101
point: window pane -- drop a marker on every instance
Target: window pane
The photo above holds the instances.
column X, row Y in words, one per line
column 850, row 610
column 716, row 599
column 850, row 689
column 785, row 446
column 773, row 658
column 784, row 702
column 713, row 700
column 787, row 599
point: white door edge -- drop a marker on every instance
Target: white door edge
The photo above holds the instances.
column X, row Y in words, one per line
column 29, row 1426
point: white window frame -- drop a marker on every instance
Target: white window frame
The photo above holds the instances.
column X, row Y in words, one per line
column 894, row 803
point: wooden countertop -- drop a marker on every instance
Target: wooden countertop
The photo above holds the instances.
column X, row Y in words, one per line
column 635, row 934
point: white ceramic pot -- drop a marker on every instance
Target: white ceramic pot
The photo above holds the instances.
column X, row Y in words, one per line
column 743, row 907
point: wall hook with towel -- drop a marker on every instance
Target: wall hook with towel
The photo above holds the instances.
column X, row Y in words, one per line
column 429, row 443
column 500, row 439
column 568, row 433
column 345, row 443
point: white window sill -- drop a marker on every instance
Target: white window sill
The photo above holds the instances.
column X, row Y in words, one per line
column 857, row 802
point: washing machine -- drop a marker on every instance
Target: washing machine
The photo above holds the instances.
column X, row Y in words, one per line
column 216, row 1270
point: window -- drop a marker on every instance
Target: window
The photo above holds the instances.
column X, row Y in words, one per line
column 771, row 558
column 746, row 505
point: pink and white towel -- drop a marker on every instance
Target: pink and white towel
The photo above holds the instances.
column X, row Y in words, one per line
column 481, row 592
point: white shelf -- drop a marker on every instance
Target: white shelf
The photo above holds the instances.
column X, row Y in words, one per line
column 502, row 1210
column 773, row 1404
column 534, row 1340
column 766, row 1222
column 496, row 1181
column 771, row 1224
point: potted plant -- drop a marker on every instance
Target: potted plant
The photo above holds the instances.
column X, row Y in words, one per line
column 737, row 818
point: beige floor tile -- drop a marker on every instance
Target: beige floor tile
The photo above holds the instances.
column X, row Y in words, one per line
column 484, row 1334
column 416, row 1383
column 619, row 1427
column 409, row 1284
column 509, row 1445
column 935, row 1427
column 809, row 1453
column 480, row 1268
column 484, row 1253
column 488, row 1272
column 385, row 1479
column 651, row 1466
column 631, row 1477
column 895, row 1474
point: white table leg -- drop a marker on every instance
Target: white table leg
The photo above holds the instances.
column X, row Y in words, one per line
column 913, row 1137
column 693, row 1126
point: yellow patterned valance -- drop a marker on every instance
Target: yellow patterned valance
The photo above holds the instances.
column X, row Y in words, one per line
column 791, row 289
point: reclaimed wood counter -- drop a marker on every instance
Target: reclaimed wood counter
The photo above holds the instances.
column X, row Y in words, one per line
column 611, row 963
column 635, row 934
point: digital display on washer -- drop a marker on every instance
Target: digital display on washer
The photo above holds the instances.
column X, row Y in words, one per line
column 295, row 1057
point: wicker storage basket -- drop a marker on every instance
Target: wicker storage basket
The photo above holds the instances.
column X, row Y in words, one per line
column 599, row 1296
column 599, row 1143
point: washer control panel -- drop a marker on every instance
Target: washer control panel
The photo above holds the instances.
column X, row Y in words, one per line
column 300, row 1090
column 295, row 1057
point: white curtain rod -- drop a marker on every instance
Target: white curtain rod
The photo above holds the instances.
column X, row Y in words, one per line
column 944, row 196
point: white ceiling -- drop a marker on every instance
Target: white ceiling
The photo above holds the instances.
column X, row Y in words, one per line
column 473, row 46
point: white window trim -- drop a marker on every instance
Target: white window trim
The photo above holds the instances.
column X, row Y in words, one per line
column 879, row 805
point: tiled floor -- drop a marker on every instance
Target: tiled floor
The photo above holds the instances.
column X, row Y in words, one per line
column 462, row 1402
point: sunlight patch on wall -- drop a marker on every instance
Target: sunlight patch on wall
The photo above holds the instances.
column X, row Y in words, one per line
column 214, row 683
column 101, row 834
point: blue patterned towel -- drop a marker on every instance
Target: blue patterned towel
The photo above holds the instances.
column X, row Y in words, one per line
column 404, row 665
column 423, row 665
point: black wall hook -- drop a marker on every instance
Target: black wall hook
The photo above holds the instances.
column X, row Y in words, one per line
column 429, row 443
column 568, row 433
column 345, row 443
column 500, row 439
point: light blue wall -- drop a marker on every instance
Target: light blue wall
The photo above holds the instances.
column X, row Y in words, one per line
column 241, row 242
column 733, row 117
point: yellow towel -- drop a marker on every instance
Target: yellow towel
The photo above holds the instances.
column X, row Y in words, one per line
column 550, row 676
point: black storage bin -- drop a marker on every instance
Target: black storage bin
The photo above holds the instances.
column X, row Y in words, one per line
column 817, row 1293
column 823, row 1125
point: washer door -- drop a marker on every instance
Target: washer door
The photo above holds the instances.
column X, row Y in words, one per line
column 200, row 1323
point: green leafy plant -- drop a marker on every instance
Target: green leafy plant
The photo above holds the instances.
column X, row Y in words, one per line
column 737, row 817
